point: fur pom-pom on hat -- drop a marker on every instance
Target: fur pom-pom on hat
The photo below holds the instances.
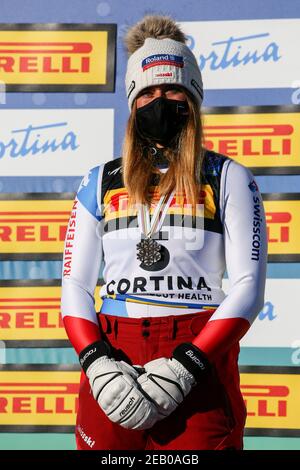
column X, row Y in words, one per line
column 152, row 26
column 158, row 54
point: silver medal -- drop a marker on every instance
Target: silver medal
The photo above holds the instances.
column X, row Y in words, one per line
column 148, row 251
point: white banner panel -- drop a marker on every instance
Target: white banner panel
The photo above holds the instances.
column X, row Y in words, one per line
column 246, row 53
column 52, row 142
column 278, row 324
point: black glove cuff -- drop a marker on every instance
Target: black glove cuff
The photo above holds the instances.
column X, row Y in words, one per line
column 193, row 359
column 92, row 352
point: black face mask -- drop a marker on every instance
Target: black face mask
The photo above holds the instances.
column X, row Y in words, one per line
column 161, row 120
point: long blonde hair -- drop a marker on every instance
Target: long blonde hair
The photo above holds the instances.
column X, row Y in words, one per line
column 185, row 161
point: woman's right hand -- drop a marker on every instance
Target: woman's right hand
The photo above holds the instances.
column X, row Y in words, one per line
column 114, row 387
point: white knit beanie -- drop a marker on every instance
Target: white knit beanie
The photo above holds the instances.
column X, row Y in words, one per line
column 161, row 61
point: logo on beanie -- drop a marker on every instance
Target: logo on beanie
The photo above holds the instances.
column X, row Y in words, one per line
column 197, row 87
column 131, row 88
column 162, row 59
column 164, row 75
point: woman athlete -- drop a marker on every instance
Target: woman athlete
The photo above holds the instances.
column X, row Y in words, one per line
column 160, row 359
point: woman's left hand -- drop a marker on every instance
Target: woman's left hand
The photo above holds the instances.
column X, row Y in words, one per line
column 166, row 382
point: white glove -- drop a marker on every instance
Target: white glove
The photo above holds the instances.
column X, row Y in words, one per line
column 166, row 382
column 114, row 387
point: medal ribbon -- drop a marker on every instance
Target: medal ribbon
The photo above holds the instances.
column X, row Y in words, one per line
column 157, row 218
